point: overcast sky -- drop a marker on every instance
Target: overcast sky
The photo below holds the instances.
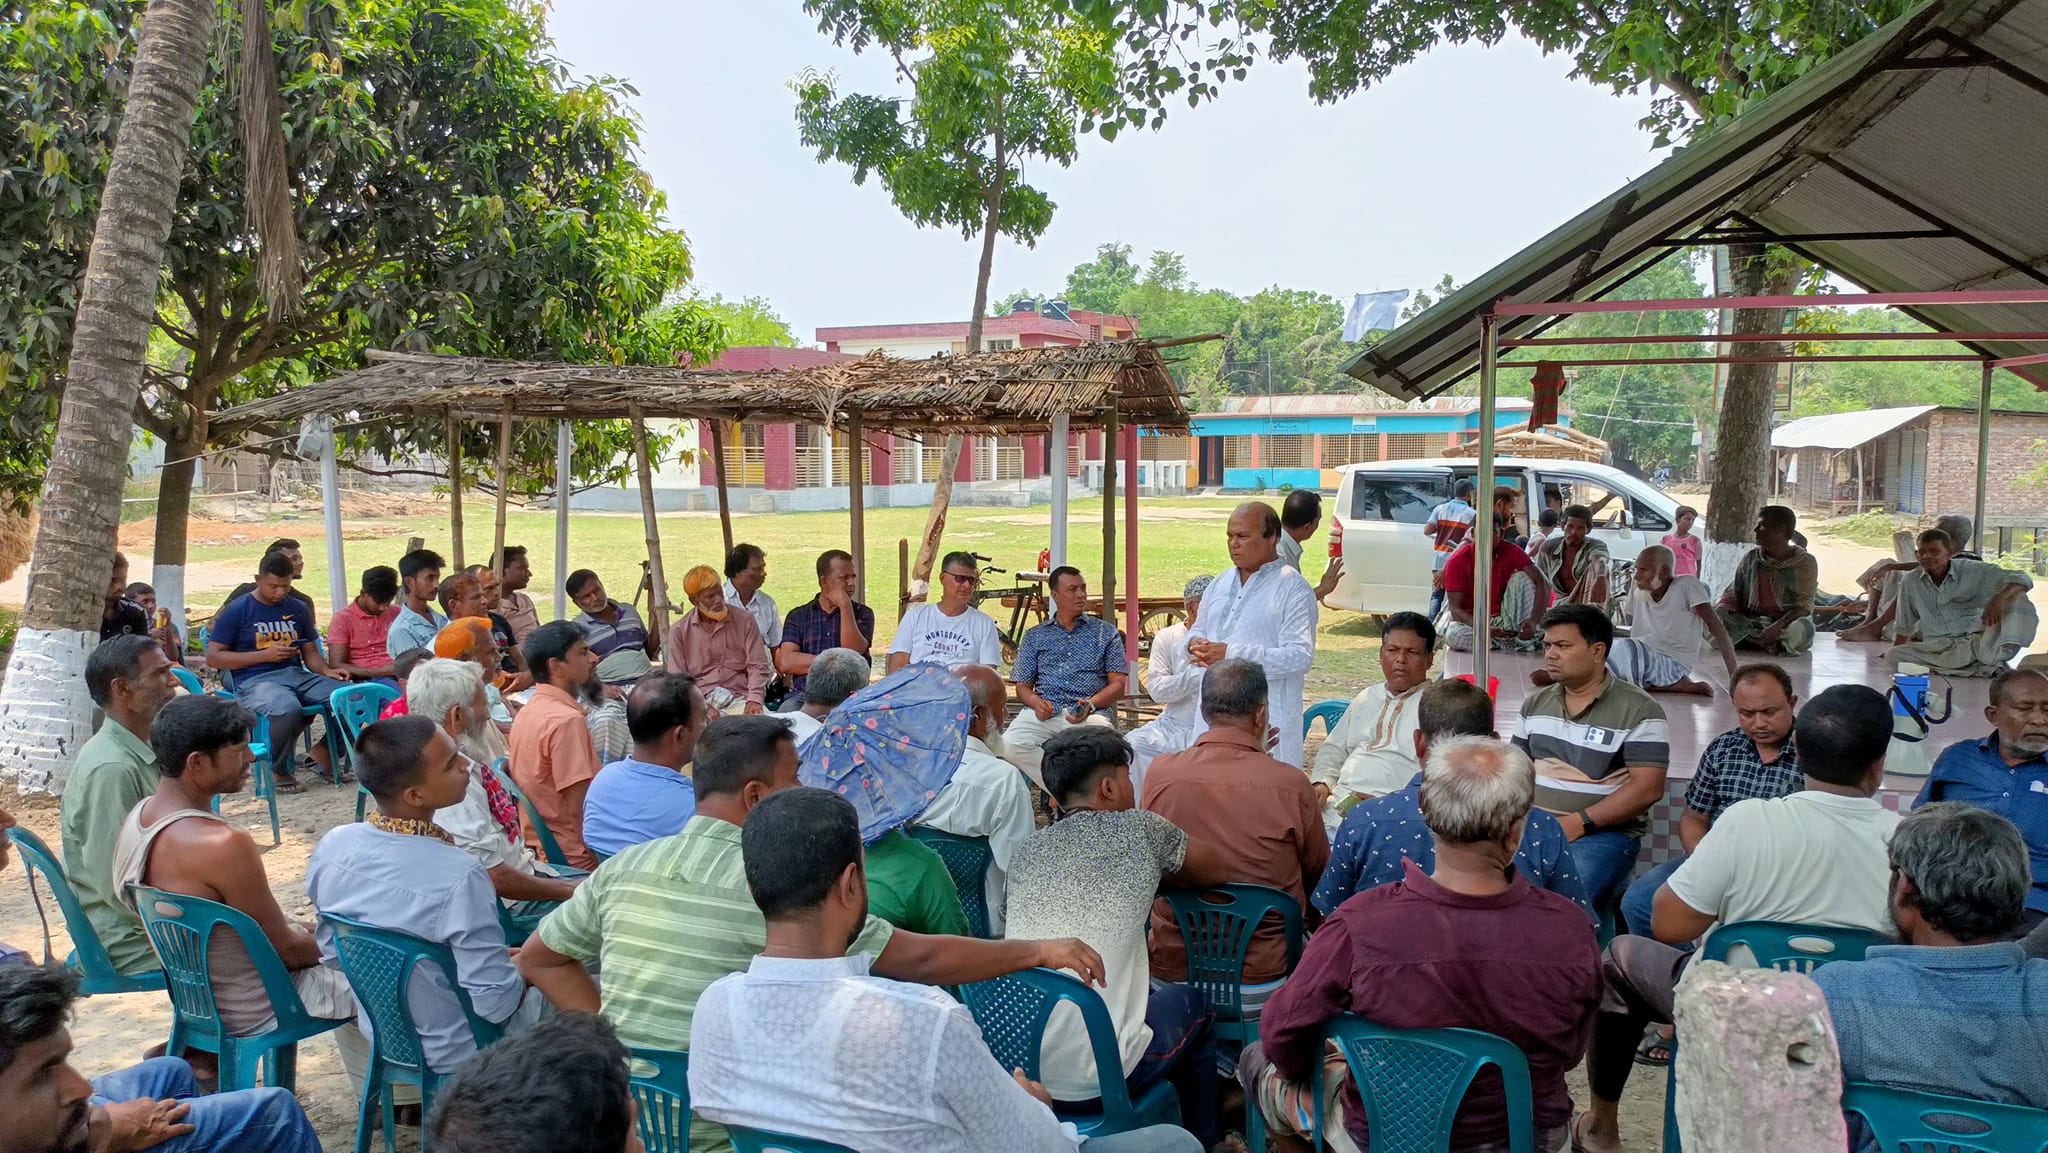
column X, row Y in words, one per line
column 1457, row 162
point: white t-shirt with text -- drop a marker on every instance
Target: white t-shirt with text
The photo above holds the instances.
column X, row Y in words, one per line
column 927, row 634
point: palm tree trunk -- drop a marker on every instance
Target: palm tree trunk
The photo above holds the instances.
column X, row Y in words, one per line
column 44, row 711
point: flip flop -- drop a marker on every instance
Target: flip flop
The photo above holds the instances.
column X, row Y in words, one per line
column 1572, row 1130
column 1655, row 1049
column 286, row 786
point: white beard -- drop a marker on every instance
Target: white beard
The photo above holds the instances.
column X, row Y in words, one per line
column 994, row 741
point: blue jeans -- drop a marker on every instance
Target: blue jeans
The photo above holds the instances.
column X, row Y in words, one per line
column 1641, row 897
column 1182, row 1053
column 1604, row 861
column 1151, row 1139
column 282, row 697
column 1436, row 603
column 247, row 1121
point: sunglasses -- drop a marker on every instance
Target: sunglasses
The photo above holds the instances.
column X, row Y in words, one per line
column 969, row 579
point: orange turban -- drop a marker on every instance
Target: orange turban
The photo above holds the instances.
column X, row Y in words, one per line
column 457, row 640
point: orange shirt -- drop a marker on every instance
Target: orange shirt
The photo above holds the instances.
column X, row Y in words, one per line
column 554, row 761
column 1227, row 793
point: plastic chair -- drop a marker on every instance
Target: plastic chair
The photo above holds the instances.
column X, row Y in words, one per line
column 380, row 965
column 762, row 1141
column 97, row 975
column 968, row 859
column 227, row 689
column 1781, row 945
column 1413, row 1080
column 1330, row 712
column 189, row 679
column 262, row 782
column 1217, row 925
column 355, row 708
column 661, row 1087
column 1909, row 1119
column 549, row 850
column 1012, row 1012
column 180, row 928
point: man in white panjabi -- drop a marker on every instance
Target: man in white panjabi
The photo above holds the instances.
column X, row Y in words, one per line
column 1961, row 617
column 1371, row 752
column 1176, row 682
column 1263, row 612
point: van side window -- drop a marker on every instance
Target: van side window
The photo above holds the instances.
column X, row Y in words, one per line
column 1643, row 518
column 1401, row 499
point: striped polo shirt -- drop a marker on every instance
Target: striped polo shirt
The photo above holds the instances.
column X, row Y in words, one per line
column 1581, row 760
column 663, row 920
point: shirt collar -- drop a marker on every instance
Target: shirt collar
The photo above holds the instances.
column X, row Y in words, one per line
column 635, row 764
column 976, row 744
column 1422, row 884
column 549, row 692
column 1230, row 736
column 700, row 825
column 1996, row 955
column 129, row 743
column 1990, row 747
column 809, row 968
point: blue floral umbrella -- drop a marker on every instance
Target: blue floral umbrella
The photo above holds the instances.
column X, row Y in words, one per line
column 892, row 746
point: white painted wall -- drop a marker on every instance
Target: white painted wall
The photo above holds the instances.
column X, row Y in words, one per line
column 908, row 349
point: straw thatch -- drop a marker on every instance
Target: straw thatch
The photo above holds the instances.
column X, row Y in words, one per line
column 1010, row 391
column 1551, row 442
column 17, row 540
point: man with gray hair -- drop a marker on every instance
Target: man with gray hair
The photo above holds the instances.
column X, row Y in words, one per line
column 1262, row 816
column 835, row 675
column 1961, row 617
column 1174, row 681
column 2005, row 772
column 987, row 796
column 1471, row 944
column 1957, row 1009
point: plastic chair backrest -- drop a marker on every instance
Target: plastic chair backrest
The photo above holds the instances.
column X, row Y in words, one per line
column 1330, row 712
column 379, row 964
column 761, row 1141
column 1911, row 1120
column 968, row 859
column 661, row 1087
column 355, row 708
column 181, row 927
column 1788, row 947
column 1218, row 925
column 189, row 679
column 552, row 852
column 1013, row 1011
column 88, row 956
column 1412, row 1082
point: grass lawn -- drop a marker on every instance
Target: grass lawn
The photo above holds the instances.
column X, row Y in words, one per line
column 1178, row 538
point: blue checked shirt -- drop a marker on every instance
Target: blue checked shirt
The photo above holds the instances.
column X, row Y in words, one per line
column 1975, row 772
column 1731, row 770
column 813, row 630
column 1378, row 835
column 1067, row 666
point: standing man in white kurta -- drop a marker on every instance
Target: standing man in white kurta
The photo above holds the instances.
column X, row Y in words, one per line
column 1263, row 612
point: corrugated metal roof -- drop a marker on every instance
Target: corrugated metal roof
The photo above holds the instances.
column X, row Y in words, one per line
column 1839, row 430
column 1937, row 123
column 1348, row 404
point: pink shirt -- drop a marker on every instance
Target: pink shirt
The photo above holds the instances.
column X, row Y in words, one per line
column 362, row 634
column 1685, row 554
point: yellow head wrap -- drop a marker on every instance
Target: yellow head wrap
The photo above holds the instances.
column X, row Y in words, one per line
column 702, row 579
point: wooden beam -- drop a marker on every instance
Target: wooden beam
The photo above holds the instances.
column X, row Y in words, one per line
column 504, row 492
column 718, row 470
column 857, row 502
column 1109, row 458
column 657, row 606
column 453, row 431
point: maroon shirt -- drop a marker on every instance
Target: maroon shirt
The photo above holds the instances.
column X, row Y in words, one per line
column 1522, row 965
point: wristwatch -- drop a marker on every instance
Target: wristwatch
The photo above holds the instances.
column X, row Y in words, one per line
column 1086, row 709
column 1587, row 825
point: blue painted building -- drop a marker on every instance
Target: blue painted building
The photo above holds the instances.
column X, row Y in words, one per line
column 1257, row 442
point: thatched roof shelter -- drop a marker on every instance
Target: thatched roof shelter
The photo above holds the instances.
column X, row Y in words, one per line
column 1551, row 442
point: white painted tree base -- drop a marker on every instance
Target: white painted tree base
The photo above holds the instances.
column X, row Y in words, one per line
column 169, row 582
column 45, row 712
column 1718, row 563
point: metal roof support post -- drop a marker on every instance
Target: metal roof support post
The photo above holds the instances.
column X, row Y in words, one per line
column 1109, row 478
column 1057, row 461
column 1131, row 545
column 1483, row 542
column 330, row 498
column 857, row 502
column 565, row 446
column 1983, row 447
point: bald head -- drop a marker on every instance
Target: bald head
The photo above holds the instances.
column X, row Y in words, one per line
column 1254, row 535
column 988, row 694
column 1957, row 527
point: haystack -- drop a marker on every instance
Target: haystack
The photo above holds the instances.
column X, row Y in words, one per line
column 17, row 540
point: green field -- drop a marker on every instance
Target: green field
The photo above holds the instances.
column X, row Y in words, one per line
column 1177, row 539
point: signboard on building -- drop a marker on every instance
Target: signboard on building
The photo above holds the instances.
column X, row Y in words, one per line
column 1364, row 425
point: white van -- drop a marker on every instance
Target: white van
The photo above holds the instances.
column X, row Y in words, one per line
column 1381, row 508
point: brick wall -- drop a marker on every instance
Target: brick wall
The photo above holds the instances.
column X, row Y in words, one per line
column 2016, row 440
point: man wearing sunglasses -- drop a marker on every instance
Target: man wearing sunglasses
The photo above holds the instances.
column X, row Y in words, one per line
column 951, row 632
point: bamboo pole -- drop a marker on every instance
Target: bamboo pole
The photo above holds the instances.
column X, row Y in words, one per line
column 565, row 455
column 657, row 607
column 1130, row 453
column 454, row 439
column 1109, row 460
column 504, row 492
column 718, row 466
column 856, row 495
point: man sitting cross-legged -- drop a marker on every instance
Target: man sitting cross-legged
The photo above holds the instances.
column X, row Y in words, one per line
column 1671, row 623
column 1965, row 618
column 667, row 918
column 50, row 1107
column 563, row 1086
column 1379, row 837
column 1769, row 605
column 1956, row 1009
column 1882, row 581
column 987, row 796
column 1094, row 874
column 648, row 794
column 720, row 648
column 485, row 822
column 1816, row 857
column 398, row 870
column 798, row 1042
column 175, row 842
column 835, row 675
column 1471, row 944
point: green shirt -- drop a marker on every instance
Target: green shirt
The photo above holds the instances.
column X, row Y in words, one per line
column 662, row 921
column 909, row 887
column 115, row 771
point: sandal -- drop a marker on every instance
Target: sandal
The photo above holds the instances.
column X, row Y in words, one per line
column 1655, row 1049
column 286, row 786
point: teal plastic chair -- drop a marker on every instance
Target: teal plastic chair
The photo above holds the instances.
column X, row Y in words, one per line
column 189, row 679
column 355, row 708
column 1329, row 712
column 1012, row 1012
column 227, row 689
column 1413, row 1080
column 1217, row 926
column 549, row 850
column 380, row 964
column 660, row 1083
column 180, row 928
column 261, row 781
column 762, row 1141
column 1780, row 945
column 968, row 859
column 1909, row 1119
column 97, row 975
